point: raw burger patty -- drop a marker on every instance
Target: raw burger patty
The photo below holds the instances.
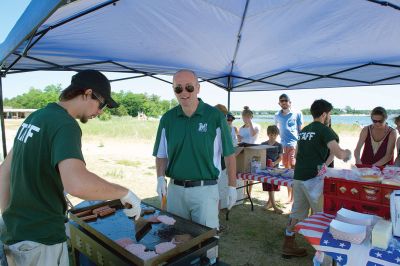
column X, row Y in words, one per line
column 164, row 247
column 135, row 248
column 166, row 219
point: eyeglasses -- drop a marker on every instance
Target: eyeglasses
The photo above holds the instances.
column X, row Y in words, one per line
column 377, row 121
column 178, row 89
column 283, row 101
column 102, row 104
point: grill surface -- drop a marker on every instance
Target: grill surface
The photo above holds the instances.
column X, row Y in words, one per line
column 97, row 239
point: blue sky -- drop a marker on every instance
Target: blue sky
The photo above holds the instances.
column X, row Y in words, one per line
column 356, row 97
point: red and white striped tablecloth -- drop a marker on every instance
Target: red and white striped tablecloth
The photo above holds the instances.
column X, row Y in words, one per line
column 313, row 227
column 276, row 180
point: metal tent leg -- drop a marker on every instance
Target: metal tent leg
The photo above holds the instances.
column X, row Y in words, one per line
column 3, row 130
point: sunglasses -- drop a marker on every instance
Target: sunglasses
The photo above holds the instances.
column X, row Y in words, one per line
column 377, row 121
column 102, row 104
column 283, row 101
column 178, row 89
column 229, row 120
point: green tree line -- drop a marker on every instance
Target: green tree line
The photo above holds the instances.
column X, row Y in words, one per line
column 129, row 103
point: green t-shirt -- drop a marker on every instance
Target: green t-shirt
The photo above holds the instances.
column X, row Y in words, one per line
column 193, row 145
column 312, row 149
column 37, row 206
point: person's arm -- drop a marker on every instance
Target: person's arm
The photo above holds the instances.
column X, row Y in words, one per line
column 161, row 166
column 5, row 172
column 81, row 183
column 253, row 129
column 299, row 122
column 398, row 146
column 330, row 158
column 360, row 143
column 279, row 159
column 389, row 150
column 335, row 150
column 230, row 162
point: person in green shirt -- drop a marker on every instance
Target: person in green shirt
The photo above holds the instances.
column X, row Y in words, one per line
column 46, row 160
column 190, row 140
column 315, row 141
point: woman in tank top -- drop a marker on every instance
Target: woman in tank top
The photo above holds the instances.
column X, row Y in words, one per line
column 378, row 140
column 397, row 122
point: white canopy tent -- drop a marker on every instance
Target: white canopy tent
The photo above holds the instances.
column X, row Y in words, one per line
column 238, row 45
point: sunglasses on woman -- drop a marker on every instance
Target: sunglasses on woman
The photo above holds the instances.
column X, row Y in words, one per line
column 377, row 121
column 178, row 89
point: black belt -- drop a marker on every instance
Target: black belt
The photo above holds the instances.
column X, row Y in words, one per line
column 185, row 183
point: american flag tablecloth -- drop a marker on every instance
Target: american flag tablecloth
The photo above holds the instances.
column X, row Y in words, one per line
column 267, row 178
column 316, row 230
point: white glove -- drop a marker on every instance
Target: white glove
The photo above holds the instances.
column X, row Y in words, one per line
column 134, row 209
column 232, row 197
column 161, row 187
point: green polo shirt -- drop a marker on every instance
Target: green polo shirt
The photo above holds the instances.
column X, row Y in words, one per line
column 193, row 145
column 37, row 206
column 312, row 149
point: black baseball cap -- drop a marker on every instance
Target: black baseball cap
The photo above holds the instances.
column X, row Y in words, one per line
column 284, row 96
column 230, row 116
column 95, row 80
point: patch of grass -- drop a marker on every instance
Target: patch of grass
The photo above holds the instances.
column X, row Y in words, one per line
column 152, row 167
column 121, row 127
column 129, row 163
column 115, row 173
column 149, row 173
column 256, row 237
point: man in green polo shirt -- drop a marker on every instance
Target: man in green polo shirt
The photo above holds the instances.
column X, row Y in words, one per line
column 47, row 160
column 315, row 141
column 190, row 140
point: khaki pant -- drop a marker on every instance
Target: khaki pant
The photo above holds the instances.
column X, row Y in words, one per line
column 198, row 204
column 302, row 202
column 29, row 253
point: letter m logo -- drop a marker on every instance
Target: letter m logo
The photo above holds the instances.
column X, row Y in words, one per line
column 202, row 127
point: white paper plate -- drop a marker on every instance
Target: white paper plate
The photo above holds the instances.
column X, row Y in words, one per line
column 356, row 218
column 348, row 232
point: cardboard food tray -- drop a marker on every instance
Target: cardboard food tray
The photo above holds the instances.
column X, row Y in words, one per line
column 111, row 228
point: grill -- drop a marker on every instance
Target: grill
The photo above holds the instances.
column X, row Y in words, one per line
column 96, row 239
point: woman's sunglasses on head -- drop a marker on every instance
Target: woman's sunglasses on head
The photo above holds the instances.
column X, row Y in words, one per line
column 178, row 89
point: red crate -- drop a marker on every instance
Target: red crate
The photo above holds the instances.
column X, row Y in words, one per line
column 364, row 197
column 348, row 190
column 332, row 204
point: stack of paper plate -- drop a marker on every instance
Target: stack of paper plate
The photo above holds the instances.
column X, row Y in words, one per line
column 348, row 232
column 356, row 218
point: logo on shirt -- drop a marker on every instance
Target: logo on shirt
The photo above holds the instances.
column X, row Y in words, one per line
column 26, row 131
column 202, row 127
column 306, row 135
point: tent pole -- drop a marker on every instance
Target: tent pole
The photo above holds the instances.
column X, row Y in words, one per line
column 3, row 130
column 229, row 88
column 229, row 100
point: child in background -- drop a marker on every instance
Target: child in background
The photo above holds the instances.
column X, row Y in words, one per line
column 275, row 155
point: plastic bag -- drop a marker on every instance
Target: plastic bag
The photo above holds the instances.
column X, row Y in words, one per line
column 315, row 187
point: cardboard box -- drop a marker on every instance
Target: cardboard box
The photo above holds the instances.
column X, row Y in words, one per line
column 244, row 156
